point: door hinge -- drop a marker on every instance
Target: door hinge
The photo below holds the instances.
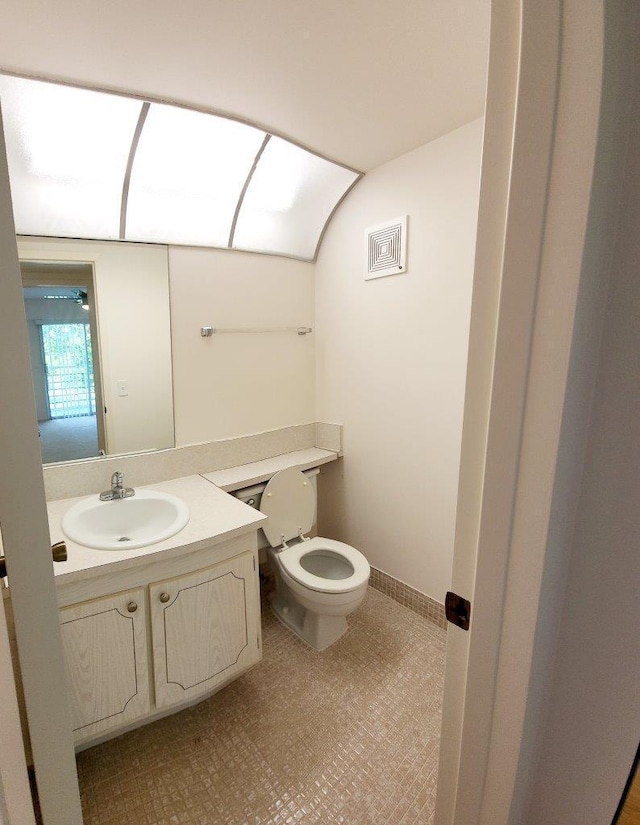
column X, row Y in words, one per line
column 258, row 641
column 457, row 610
column 254, row 562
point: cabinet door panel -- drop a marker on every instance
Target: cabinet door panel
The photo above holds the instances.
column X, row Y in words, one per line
column 104, row 645
column 205, row 628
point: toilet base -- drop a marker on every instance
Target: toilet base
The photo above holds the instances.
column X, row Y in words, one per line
column 318, row 631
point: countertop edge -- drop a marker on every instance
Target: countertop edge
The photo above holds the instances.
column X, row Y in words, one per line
column 257, row 472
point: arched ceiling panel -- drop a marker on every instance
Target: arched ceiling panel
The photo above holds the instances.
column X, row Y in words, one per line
column 290, row 197
column 67, row 150
column 187, row 176
column 88, row 164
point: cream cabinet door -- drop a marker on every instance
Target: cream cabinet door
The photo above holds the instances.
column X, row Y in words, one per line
column 105, row 653
column 205, row 628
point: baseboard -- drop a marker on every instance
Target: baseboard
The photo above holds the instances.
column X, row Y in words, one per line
column 409, row 597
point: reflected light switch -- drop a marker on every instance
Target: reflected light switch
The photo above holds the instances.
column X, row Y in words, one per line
column 123, row 389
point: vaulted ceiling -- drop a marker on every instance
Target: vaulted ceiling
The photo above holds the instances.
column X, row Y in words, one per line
column 358, row 81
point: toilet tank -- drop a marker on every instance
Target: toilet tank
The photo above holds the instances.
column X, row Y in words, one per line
column 252, row 496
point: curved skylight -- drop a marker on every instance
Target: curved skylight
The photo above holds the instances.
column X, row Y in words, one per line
column 187, row 176
column 67, row 151
column 290, row 198
column 88, row 164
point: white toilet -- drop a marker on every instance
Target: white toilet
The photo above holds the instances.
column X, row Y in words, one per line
column 318, row 581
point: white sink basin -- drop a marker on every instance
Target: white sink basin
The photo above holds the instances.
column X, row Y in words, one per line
column 147, row 517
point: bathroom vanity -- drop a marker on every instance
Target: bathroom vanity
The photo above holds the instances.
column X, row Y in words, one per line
column 149, row 630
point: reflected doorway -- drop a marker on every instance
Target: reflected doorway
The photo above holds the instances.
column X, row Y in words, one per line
column 60, row 309
column 70, row 429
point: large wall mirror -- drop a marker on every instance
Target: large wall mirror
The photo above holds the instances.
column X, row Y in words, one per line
column 100, row 338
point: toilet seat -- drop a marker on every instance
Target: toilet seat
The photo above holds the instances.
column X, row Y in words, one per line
column 289, row 500
column 290, row 559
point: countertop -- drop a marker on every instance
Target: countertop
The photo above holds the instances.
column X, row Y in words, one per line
column 215, row 516
column 244, row 475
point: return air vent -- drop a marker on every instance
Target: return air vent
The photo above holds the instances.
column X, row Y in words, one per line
column 386, row 249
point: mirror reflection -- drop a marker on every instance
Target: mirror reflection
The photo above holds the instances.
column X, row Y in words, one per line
column 99, row 336
column 64, row 360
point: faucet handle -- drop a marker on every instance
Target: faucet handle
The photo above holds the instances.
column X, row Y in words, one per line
column 117, row 479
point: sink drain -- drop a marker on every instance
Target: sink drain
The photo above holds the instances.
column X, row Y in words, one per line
column 124, row 538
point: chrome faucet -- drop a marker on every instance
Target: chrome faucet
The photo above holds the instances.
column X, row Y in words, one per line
column 118, row 490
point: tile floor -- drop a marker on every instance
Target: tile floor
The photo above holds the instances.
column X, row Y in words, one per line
column 349, row 736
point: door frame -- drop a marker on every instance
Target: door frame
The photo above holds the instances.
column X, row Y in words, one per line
column 538, row 307
column 27, row 546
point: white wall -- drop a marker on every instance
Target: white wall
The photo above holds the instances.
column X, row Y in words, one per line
column 391, row 363
column 235, row 384
column 134, row 319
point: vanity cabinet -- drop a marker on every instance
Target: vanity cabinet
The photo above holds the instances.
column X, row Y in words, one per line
column 205, row 629
column 132, row 656
column 105, row 653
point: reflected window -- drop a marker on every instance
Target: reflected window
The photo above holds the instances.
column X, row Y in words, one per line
column 68, row 367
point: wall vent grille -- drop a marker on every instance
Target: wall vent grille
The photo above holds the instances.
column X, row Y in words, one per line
column 386, row 249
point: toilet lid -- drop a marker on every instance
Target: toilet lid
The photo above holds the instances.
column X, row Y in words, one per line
column 290, row 502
